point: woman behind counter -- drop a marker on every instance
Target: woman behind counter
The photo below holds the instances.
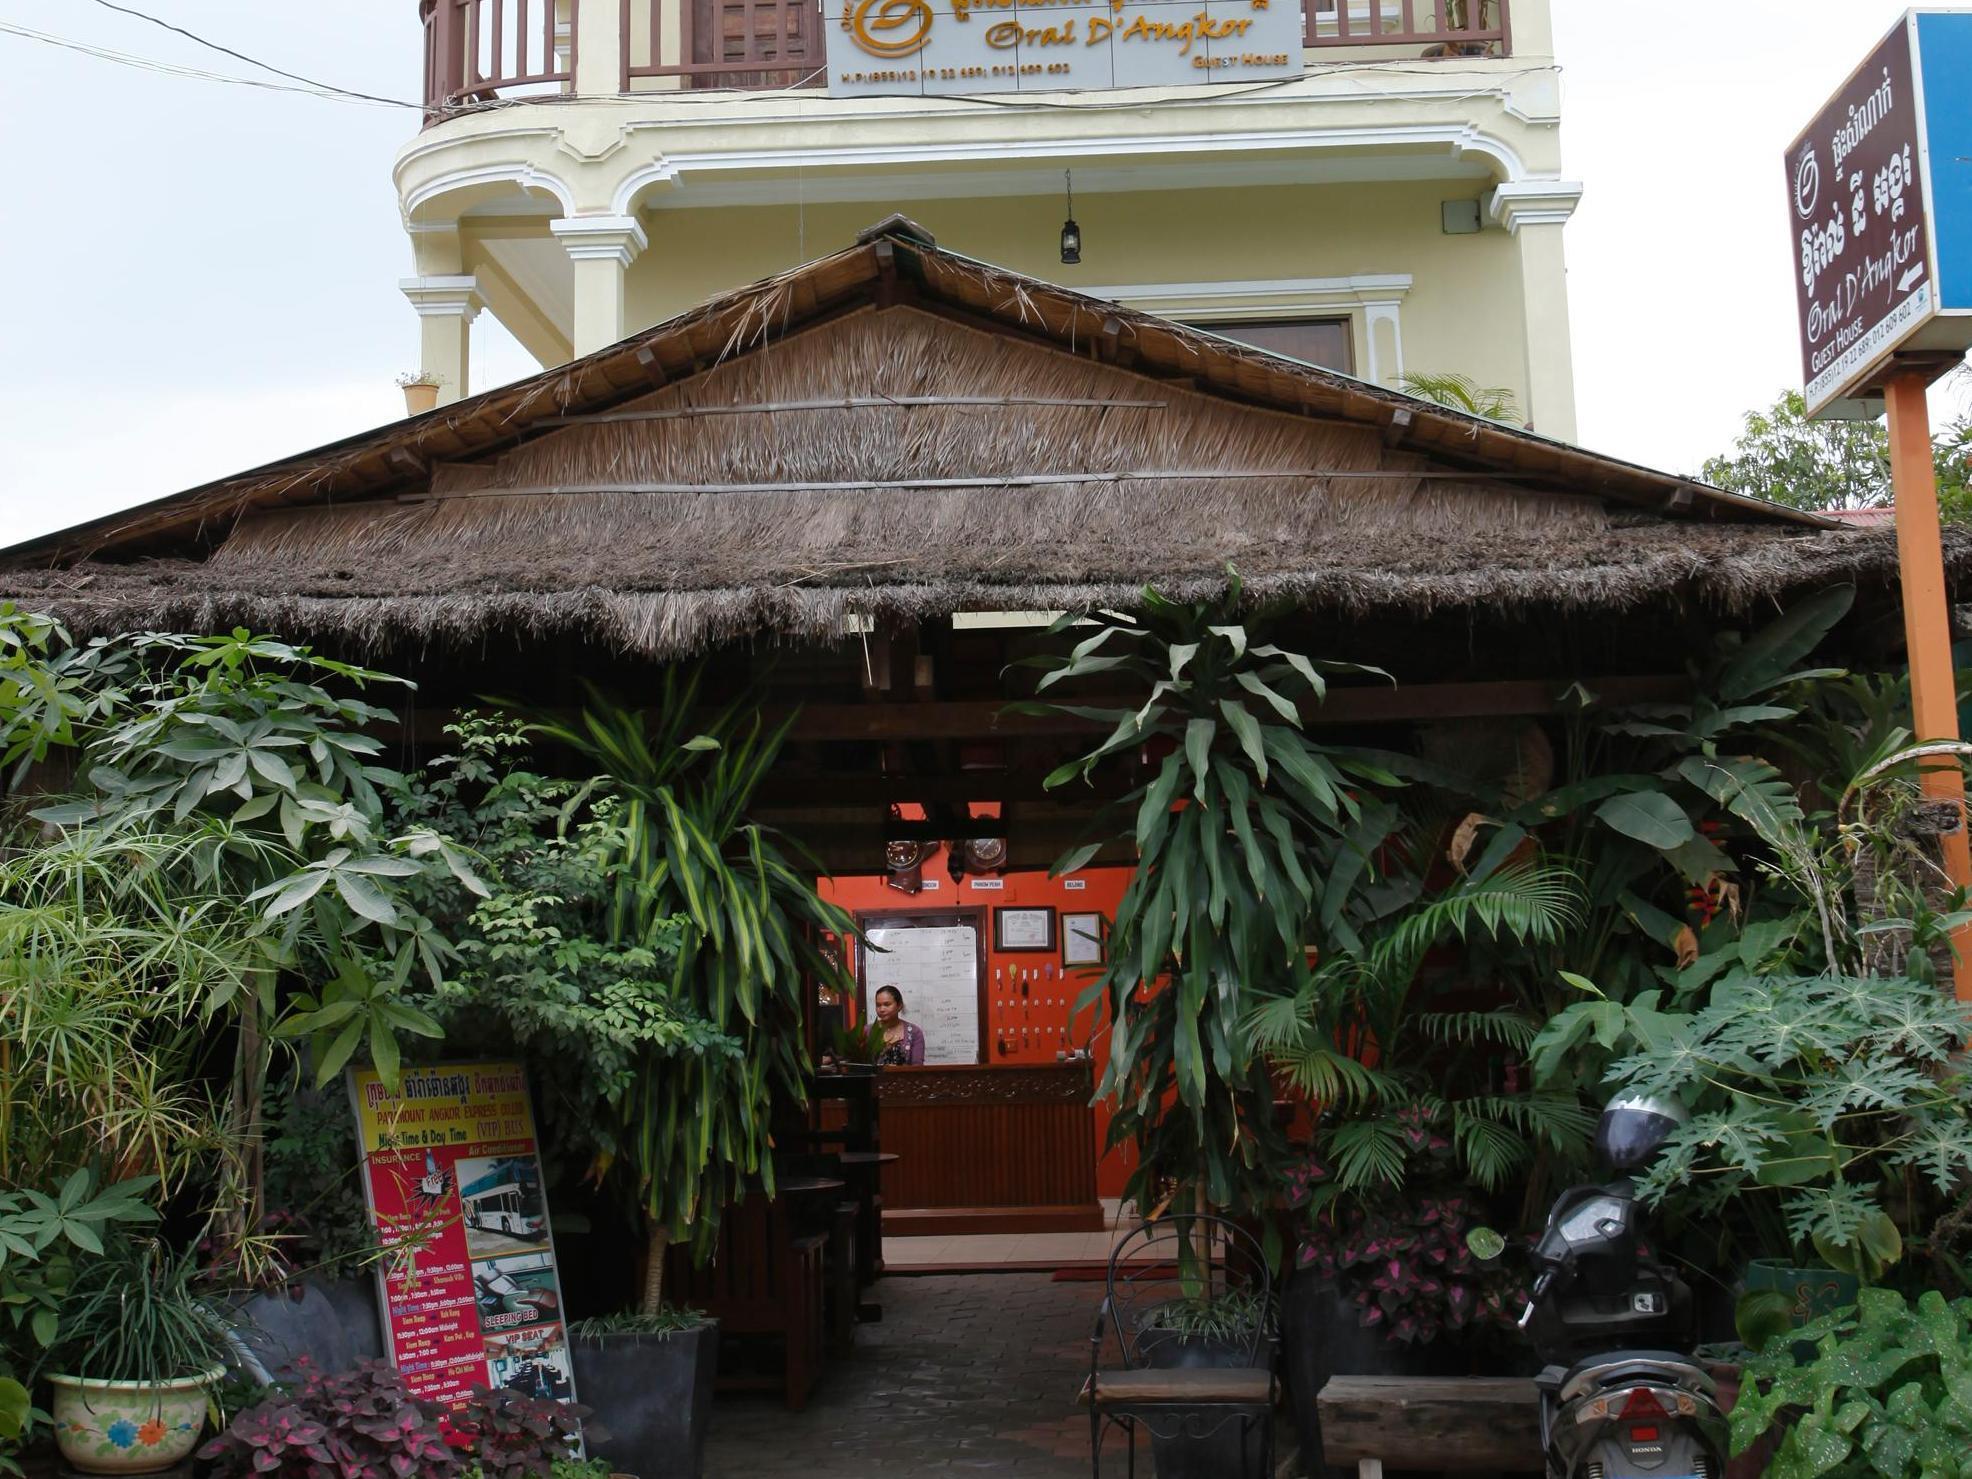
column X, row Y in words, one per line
column 903, row 1042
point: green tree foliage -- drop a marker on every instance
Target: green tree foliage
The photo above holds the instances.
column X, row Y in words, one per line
column 252, row 757
column 538, row 969
column 1782, row 456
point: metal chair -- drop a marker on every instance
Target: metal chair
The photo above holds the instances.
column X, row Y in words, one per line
column 1190, row 1300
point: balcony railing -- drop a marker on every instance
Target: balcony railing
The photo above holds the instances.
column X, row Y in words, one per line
column 481, row 51
column 485, row 51
column 1442, row 27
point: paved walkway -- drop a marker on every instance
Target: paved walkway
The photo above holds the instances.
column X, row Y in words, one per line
column 965, row 1374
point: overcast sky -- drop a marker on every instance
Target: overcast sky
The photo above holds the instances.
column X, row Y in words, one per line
column 200, row 277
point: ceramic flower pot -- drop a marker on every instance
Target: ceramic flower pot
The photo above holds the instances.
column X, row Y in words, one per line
column 420, row 397
column 128, row 1427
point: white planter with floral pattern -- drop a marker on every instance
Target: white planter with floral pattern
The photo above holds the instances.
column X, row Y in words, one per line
column 128, row 1427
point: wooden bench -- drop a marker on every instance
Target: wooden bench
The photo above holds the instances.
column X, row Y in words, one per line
column 1438, row 1423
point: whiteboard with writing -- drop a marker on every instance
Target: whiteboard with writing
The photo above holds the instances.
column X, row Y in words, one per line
column 936, row 970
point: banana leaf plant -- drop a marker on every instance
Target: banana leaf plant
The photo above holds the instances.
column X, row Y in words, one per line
column 1249, row 837
column 692, row 1128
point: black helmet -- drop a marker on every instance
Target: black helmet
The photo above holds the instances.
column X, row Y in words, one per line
column 1635, row 1126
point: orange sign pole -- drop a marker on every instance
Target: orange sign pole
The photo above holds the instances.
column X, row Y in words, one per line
column 1927, row 623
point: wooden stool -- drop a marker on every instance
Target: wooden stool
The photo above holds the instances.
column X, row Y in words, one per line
column 1449, row 1424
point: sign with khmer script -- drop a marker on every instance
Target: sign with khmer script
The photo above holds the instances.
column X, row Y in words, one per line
column 948, row 48
column 1880, row 196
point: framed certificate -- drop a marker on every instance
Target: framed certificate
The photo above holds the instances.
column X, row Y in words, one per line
column 1084, row 939
column 1017, row 929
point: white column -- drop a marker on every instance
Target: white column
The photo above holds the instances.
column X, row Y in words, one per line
column 446, row 307
column 601, row 249
column 599, row 43
column 1383, row 327
column 1533, row 212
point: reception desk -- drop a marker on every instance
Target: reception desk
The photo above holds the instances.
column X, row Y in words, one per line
column 994, row 1148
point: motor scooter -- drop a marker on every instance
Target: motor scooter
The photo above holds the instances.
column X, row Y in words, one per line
column 1621, row 1397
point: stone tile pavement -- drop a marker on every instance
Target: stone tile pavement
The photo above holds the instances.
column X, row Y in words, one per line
column 973, row 1374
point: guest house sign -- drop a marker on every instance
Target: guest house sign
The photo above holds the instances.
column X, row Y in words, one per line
column 1880, row 201
column 946, row 48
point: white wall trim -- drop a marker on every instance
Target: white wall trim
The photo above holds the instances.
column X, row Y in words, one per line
column 1458, row 139
column 444, row 297
column 526, row 176
column 618, row 239
column 1366, row 300
column 1520, row 203
column 1279, row 294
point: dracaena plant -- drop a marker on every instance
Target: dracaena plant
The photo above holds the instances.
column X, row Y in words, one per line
column 1242, row 828
column 735, row 903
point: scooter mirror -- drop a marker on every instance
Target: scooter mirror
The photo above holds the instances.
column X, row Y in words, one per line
column 1485, row 1244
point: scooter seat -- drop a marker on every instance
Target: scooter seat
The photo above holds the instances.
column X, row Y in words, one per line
column 1615, row 1368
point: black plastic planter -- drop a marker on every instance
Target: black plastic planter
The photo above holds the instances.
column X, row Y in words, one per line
column 1213, row 1451
column 1322, row 1335
column 332, row 1324
column 653, row 1396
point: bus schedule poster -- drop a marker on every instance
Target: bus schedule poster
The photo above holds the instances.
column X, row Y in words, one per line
column 467, row 1281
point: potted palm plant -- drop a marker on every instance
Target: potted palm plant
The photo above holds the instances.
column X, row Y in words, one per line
column 136, row 1353
column 1461, row 18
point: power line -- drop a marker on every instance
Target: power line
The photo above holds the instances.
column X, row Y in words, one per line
column 252, row 61
column 163, row 69
column 311, row 83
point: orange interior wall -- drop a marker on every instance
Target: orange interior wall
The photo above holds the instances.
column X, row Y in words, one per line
column 1029, row 1025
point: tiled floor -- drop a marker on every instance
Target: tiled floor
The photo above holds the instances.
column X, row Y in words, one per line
column 1008, row 1250
column 963, row 1375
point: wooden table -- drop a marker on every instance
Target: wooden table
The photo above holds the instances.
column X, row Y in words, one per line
column 865, row 1171
column 990, row 1148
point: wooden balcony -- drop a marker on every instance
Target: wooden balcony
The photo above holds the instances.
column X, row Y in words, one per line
column 485, row 52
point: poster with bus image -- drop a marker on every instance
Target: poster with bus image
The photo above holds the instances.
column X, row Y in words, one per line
column 468, row 1284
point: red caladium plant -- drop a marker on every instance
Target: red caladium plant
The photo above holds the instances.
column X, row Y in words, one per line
column 357, row 1424
column 365, row 1424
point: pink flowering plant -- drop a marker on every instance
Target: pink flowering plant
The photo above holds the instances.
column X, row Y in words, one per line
column 1402, row 1258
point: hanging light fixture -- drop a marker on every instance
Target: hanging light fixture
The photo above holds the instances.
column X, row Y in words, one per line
column 1071, row 234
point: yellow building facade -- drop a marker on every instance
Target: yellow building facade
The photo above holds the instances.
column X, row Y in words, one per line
column 1397, row 203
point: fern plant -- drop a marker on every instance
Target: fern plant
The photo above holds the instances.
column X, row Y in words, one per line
column 1389, row 1050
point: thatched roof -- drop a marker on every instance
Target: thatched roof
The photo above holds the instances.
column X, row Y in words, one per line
column 897, row 430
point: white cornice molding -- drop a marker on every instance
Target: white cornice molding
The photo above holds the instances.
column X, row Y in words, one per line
column 526, row 176
column 1520, row 203
column 1235, row 299
column 1458, row 139
column 444, row 297
column 618, row 239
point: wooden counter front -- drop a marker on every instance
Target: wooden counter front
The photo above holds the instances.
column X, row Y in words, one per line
column 996, row 1148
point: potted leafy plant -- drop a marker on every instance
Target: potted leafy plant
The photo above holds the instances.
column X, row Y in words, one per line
column 1883, row 1393
column 651, row 1377
column 643, row 946
column 420, row 389
column 858, row 1048
column 366, row 1421
column 1460, row 18
column 135, row 1357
